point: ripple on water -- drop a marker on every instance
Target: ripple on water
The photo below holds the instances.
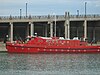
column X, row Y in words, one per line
column 49, row 64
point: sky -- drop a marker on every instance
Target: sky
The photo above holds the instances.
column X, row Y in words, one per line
column 45, row 7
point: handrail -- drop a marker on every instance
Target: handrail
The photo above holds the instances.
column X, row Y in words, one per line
column 48, row 17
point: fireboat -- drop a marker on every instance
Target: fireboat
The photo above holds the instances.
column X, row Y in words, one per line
column 37, row 44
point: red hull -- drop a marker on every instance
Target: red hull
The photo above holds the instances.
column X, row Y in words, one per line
column 39, row 45
column 51, row 49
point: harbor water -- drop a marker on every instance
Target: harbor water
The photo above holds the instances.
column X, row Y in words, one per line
column 49, row 64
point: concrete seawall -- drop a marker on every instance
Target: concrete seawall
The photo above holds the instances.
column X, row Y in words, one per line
column 2, row 47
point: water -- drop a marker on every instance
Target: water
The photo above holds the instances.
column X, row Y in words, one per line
column 49, row 64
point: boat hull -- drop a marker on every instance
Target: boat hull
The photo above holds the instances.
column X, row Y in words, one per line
column 21, row 48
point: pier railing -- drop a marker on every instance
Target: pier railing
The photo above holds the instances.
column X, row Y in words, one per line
column 46, row 17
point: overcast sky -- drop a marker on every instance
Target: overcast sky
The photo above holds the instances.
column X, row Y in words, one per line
column 45, row 7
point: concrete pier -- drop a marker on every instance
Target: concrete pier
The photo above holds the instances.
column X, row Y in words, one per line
column 67, row 26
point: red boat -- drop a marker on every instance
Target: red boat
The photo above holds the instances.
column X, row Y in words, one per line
column 51, row 45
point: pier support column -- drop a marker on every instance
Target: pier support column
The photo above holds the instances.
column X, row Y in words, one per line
column 85, row 29
column 11, row 31
column 51, row 29
column 51, row 25
column 67, row 26
column 66, row 30
column 32, row 29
